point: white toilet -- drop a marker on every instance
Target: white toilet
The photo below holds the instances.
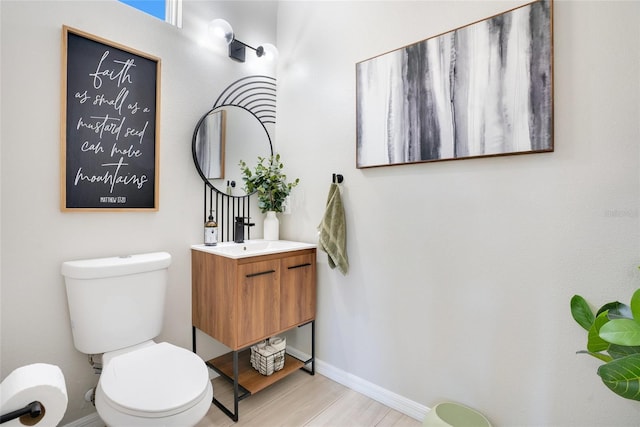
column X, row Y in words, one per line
column 116, row 307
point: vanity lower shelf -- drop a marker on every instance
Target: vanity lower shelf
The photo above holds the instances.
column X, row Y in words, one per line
column 248, row 378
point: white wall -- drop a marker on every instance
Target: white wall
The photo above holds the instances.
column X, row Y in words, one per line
column 36, row 236
column 462, row 271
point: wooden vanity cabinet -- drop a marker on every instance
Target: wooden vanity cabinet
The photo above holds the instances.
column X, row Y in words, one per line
column 242, row 301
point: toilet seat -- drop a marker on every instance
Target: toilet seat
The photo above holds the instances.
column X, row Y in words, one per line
column 155, row 381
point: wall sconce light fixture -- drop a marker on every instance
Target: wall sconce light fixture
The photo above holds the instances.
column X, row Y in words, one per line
column 222, row 30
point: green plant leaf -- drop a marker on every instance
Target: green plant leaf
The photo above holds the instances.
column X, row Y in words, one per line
column 622, row 376
column 621, row 332
column 617, row 310
column 618, row 351
column 610, row 306
column 581, row 312
column 635, row 305
column 595, row 343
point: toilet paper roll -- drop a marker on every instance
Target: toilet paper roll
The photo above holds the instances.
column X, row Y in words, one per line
column 38, row 382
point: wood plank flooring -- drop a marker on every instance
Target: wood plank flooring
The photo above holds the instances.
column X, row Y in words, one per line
column 303, row 400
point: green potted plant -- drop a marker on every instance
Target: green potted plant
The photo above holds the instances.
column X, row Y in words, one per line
column 270, row 183
column 613, row 336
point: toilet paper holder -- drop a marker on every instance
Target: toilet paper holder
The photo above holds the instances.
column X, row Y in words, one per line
column 33, row 409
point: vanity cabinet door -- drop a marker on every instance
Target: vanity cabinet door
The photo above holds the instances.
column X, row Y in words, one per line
column 213, row 296
column 258, row 293
column 297, row 289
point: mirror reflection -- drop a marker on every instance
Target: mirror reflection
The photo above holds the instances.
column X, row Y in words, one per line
column 224, row 136
column 209, row 144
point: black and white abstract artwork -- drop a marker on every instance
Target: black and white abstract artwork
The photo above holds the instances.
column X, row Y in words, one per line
column 481, row 90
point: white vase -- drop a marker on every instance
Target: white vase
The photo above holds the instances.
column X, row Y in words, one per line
column 271, row 226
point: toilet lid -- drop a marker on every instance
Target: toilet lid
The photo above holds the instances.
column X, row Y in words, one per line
column 158, row 380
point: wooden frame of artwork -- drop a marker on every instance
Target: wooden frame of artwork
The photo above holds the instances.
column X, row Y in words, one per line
column 485, row 89
column 110, row 114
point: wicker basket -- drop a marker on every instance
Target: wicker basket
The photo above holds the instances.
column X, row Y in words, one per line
column 267, row 363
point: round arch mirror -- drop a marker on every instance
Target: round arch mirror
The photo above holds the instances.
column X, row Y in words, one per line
column 224, row 136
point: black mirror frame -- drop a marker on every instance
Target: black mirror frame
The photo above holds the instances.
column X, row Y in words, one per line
column 254, row 94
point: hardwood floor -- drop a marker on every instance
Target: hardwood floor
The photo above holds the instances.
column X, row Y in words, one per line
column 304, row 400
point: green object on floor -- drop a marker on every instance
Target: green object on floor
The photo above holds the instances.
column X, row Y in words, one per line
column 449, row 414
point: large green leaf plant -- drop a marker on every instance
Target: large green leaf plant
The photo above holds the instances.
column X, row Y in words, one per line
column 613, row 336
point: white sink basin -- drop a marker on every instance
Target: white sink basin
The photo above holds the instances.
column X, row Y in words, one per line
column 253, row 248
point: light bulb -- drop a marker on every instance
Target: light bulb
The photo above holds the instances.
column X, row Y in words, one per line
column 221, row 30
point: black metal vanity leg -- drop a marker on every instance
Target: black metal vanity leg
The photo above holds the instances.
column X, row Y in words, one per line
column 233, row 379
column 313, row 347
column 311, row 370
column 236, row 393
column 193, row 338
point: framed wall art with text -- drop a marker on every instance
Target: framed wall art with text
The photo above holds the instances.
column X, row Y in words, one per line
column 109, row 126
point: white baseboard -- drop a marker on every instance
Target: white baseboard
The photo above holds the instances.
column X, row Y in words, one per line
column 375, row 392
column 91, row 420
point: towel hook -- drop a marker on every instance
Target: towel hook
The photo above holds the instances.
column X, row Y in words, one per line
column 337, row 178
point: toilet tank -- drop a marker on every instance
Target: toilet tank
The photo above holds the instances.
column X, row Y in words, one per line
column 116, row 302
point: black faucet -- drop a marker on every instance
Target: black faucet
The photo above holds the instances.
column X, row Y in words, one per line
column 238, row 235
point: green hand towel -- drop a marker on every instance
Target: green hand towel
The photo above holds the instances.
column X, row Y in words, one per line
column 333, row 231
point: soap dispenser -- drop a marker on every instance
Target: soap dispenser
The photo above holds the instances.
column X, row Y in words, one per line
column 210, row 231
